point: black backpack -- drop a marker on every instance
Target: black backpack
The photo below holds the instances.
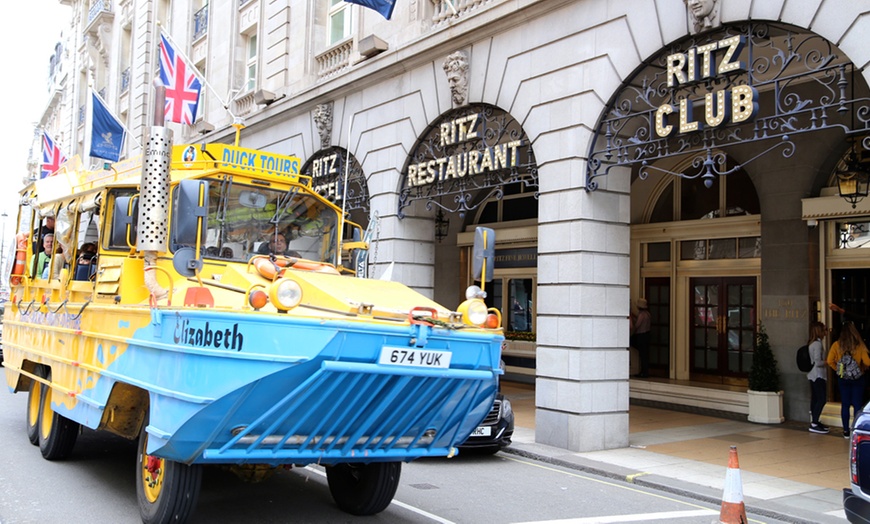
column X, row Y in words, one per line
column 804, row 362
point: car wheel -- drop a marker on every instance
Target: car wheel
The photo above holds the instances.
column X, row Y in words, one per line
column 57, row 434
column 364, row 489
column 166, row 490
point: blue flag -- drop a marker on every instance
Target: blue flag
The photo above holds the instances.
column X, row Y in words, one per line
column 107, row 133
column 384, row 7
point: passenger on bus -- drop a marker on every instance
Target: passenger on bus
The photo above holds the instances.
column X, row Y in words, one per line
column 86, row 261
column 43, row 257
column 40, row 232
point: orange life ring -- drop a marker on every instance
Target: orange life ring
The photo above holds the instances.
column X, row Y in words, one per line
column 20, row 255
column 272, row 269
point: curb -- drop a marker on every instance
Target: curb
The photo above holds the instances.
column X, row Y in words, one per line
column 658, row 483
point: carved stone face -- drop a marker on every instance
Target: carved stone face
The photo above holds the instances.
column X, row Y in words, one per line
column 456, row 70
column 704, row 14
column 701, row 8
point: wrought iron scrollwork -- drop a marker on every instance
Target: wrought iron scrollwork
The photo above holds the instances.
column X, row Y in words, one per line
column 472, row 165
column 804, row 84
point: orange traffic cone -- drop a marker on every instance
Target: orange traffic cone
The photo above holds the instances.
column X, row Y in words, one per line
column 733, row 511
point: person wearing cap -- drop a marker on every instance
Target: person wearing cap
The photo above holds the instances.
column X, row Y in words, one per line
column 641, row 336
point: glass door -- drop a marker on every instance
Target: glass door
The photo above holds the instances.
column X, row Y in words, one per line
column 657, row 292
column 723, row 320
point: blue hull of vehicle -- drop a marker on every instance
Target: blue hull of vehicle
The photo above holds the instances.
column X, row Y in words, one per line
column 231, row 388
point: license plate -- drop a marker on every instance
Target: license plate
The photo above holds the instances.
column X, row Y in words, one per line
column 419, row 358
column 482, row 431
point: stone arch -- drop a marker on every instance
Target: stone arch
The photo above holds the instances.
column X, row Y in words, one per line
column 792, row 81
column 465, row 157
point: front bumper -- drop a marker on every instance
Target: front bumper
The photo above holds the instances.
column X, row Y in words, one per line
column 857, row 508
column 498, row 427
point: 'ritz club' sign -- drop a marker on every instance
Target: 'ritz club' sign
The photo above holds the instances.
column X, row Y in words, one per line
column 698, row 63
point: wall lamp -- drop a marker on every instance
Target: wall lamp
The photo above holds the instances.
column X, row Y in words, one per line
column 853, row 178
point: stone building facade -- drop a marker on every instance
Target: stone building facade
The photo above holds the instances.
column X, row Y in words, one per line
column 531, row 94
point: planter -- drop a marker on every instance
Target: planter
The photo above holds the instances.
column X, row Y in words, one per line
column 765, row 407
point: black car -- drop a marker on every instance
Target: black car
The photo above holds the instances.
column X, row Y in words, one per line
column 496, row 430
column 856, row 499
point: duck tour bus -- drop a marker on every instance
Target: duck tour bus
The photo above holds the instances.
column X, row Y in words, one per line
column 156, row 299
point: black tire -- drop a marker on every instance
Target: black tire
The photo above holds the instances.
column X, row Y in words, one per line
column 57, row 434
column 364, row 489
column 167, row 491
column 34, row 406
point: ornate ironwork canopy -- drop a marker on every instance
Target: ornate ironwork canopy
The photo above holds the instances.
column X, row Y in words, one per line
column 465, row 158
column 751, row 82
column 327, row 170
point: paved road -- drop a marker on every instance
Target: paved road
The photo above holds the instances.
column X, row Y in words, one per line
column 97, row 485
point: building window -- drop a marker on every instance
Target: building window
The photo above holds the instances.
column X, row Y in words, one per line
column 686, row 199
column 251, row 62
column 339, row 21
column 200, row 22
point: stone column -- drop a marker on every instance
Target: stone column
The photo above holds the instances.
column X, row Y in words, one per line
column 583, row 298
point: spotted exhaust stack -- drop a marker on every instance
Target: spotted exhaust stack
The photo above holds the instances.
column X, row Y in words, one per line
column 154, row 196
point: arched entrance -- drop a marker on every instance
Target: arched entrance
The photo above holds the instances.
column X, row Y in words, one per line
column 723, row 133
column 474, row 165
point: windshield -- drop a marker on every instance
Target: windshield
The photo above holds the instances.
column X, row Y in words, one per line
column 247, row 220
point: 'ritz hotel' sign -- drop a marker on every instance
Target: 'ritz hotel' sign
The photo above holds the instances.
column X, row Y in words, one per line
column 735, row 105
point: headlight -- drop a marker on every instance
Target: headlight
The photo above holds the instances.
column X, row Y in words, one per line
column 506, row 408
column 285, row 294
column 474, row 312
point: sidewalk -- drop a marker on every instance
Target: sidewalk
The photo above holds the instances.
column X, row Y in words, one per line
column 787, row 472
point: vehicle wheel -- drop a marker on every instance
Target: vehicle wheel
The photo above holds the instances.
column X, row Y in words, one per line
column 364, row 489
column 34, row 404
column 167, row 491
column 57, row 434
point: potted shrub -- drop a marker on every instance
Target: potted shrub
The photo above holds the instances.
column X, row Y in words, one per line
column 765, row 397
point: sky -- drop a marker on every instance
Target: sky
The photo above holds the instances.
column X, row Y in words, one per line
column 28, row 33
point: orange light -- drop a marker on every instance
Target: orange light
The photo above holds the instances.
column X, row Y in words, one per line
column 492, row 321
column 258, row 299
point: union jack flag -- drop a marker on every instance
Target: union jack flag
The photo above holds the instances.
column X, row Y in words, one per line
column 182, row 85
column 52, row 156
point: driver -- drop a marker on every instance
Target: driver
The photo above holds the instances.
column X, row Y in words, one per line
column 277, row 246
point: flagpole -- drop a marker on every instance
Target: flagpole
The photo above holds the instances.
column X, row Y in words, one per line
column 344, row 189
column 89, row 127
column 199, row 75
column 127, row 131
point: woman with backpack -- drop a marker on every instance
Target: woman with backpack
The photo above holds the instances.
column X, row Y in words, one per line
column 817, row 375
column 849, row 358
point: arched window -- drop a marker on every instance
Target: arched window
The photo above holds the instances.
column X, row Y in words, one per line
column 690, row 199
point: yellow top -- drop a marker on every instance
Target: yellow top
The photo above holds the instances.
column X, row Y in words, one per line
column 860, row 354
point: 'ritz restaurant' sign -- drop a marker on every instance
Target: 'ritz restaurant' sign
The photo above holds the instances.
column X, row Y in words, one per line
column 464, row 163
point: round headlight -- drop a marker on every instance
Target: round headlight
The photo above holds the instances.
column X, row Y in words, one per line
column 474, row 312
column 285, row 294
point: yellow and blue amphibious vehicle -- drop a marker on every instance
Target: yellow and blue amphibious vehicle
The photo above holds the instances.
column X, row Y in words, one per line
column 195, row 299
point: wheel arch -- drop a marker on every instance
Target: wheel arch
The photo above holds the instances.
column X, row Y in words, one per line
column 125, row 410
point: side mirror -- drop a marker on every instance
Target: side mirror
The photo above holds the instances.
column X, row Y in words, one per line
column 124, row 217
column 483, row 255
column 190, row 213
